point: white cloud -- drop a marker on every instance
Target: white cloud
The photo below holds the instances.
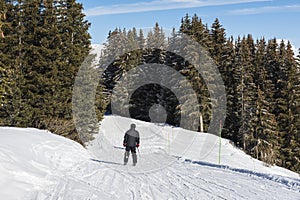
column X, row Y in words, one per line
column 266, row 9
column 157, row 5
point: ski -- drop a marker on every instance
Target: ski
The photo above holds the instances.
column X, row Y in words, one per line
column 117, row 147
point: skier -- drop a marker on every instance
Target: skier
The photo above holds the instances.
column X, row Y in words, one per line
column 131, row 141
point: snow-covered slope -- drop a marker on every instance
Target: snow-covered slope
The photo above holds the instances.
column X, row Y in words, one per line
column 177, row 142
column 36, row 164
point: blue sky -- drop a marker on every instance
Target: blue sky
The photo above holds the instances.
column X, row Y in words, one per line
column 268, row 18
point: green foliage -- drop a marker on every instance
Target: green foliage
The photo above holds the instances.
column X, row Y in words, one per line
column 44, row 45
column 5, row 73
column 88, row 105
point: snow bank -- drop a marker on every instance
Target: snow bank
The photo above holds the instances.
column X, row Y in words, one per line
column 28, row 156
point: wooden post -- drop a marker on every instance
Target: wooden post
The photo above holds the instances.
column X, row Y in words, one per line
column 220, row 141
column 201, row 123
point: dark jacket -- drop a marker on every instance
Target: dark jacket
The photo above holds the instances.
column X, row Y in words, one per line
column 131, row 138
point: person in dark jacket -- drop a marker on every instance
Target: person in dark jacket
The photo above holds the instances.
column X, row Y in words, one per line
column 131, row 141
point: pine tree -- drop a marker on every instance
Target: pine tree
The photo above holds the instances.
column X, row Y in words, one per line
column 3, row 11
column 247, row 95
column 200, row 33
column 185, row 26
column 191, row 54
column 16, row 107
column 266, row 146
column 33, row 91
column 73, row 48
column 290, row 148
column 5, row 72
column 231, row 127
column 222, row 53
column 141, row 39
column 45, row 43
column 280, row 79
column 265, row 142
column 85, row 95
column 263, row 79
column 218, row 37
column 73, row 29
column 110, row 59
column 151, row 94
column 295, row 109
column 156, row 38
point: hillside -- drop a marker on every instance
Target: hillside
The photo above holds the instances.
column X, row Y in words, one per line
column 36, row 164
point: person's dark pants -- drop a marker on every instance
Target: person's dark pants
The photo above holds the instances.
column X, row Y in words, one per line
column 133, row 152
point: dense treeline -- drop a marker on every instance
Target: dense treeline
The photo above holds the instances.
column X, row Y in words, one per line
column 261, row 79
column 43, row 44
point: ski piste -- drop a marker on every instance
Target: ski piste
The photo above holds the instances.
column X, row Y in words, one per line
column 36, row 164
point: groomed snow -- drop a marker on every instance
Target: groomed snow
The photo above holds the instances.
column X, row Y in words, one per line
column 172, row 164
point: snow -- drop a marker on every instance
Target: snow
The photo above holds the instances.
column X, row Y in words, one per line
column 97, row 49
column 172, row 164
column 294, row 48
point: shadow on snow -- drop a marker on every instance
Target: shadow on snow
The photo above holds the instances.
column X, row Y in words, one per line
column 106, row 162
column 289, row 182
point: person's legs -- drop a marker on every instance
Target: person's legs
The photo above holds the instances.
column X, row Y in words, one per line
column 134, row 156
column 126, row 155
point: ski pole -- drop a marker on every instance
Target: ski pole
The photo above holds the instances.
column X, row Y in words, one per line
column 139, row 151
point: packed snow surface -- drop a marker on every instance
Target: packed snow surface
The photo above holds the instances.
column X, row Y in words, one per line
column 172, row 164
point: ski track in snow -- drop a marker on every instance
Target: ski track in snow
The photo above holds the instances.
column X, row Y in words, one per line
column 62, row 170
column 182, row 180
